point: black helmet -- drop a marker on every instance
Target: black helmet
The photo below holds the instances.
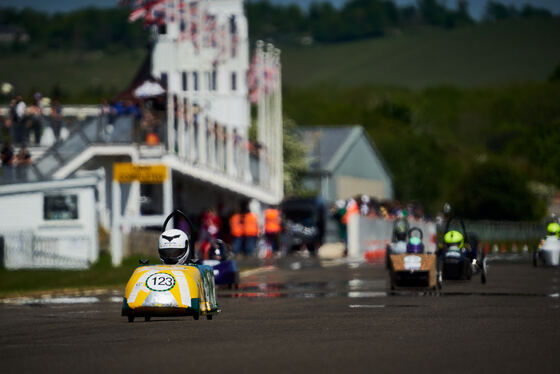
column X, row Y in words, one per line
column 218, row 250
column 400, row 229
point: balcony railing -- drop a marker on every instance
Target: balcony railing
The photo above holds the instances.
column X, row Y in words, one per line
column 125, row 130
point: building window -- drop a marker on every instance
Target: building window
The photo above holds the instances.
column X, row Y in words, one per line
column 195, row 80
column 151, row 199
column 234, row 81
column 185, row 81
column 207, row 81
column 214, row 80
column 164, row 79
column 60, row 207
column 232, row 25
column 186, row 111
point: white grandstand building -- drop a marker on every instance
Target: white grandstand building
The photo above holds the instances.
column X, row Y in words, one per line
column 201, row 157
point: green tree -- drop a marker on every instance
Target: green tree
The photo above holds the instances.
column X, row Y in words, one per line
column 433, row 12
column 529, row 11
column 366, row 18
column 496, row 11
column 326, row 23
column 295, row 164
column 555, row 76
column 495, row 191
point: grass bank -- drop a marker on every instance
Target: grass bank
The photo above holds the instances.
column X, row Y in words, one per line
column 74, row 76
column 480, row 55
column 473, row 56
column 101, row 275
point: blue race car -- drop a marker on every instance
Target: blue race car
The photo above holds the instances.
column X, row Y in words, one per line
column 224, row 266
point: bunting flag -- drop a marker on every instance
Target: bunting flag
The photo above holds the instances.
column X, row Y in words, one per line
column 170, row 11
column 253, row 79
column 151, row 10
column 209, row 30
column 270, row 75
column 193, row 24
column 263, row 74
column 137, row 14
column 221, row 44
column 182, row 13
column 234, row 43
column 156, row 14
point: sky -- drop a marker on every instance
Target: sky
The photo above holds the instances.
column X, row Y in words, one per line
column 476, row 6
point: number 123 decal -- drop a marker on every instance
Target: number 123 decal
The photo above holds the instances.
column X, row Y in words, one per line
column 160, row 282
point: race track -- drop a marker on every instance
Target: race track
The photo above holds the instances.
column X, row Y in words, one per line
column 300, row 317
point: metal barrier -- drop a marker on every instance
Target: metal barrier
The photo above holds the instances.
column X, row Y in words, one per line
column 506, row 231
column 368, row 235
column 23, row 250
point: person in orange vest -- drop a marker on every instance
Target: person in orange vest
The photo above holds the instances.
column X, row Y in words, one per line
column 237, row 231
column 251, row 232
column 351, row 209
column 272, row 227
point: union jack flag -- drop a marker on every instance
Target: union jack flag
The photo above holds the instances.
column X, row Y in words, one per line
column 153, row 11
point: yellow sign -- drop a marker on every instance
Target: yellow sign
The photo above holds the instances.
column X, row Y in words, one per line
column 126, row 172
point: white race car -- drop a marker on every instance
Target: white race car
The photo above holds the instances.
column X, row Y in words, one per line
column 548, row 252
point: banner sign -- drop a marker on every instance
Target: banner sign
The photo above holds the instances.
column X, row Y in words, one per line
column 126, row 172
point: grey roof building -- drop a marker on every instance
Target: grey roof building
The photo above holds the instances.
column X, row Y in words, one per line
column 344, row 162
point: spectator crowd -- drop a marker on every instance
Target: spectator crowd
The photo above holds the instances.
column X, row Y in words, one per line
column 249, row 233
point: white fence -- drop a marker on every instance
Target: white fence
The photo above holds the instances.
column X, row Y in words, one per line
column 370, row 236
column 23, row 250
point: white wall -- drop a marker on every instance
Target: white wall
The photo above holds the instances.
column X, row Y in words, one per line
column 32, row 241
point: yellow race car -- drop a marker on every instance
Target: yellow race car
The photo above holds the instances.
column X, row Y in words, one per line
column 178, row 287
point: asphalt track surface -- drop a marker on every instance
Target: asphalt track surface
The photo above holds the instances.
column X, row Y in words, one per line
column 303, row 317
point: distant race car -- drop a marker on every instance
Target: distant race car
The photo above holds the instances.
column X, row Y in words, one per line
column 223, row 265
column 460, row 258
column 171, row 290
column 414, row 268
column 398, row 240
column 548, row 252
column 304, row 224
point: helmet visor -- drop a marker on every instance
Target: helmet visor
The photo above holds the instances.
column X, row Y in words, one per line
column 453, row 247
column 171, row 255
